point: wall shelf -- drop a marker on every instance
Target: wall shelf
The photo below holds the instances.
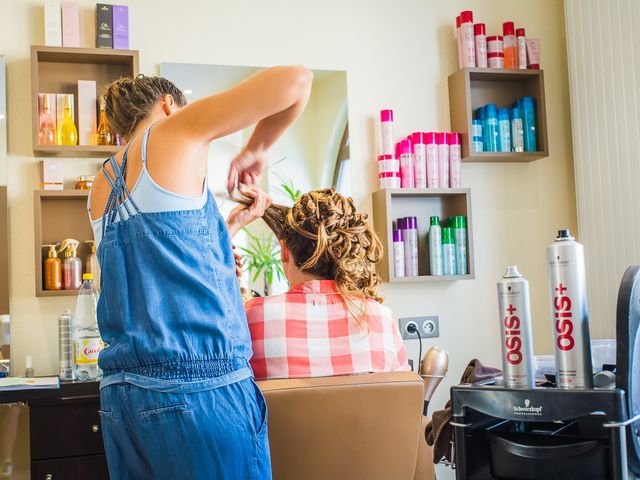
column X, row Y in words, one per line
column 75, row 150
column 470, row 88
column 59, row 214
column 58, row 69
column 390, row 204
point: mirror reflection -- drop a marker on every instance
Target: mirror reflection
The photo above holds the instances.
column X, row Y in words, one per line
column 312, row 154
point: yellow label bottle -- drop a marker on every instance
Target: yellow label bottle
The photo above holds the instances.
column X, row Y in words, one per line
column 68, row 133
column 103, row 134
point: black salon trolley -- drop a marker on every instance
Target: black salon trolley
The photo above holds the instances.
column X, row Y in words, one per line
column 547, row 433
column 541, row 433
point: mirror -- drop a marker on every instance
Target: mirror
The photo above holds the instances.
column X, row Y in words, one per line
column 312, row 154
column 4, row 227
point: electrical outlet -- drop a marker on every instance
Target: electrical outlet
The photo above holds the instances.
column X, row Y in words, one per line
column 429, row 327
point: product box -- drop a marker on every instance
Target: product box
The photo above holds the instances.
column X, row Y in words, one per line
column 104, row 25
column 87, row 94
column 52, row 24
column 52, row 173
column 60, row 109
column 121, row 27
column 70, row 24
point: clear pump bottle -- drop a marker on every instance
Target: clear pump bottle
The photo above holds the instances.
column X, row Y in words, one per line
column 72, row 265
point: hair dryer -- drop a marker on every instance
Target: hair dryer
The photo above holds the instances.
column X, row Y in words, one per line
column 433, row 369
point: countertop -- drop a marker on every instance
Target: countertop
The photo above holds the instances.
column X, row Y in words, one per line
column 66, row 389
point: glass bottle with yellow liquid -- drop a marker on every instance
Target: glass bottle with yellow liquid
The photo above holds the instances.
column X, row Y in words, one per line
column 104, row 136
column 67, row 133
column 47, row 132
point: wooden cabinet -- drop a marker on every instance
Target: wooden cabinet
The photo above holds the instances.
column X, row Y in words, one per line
column 92, row 467
column 66, row 435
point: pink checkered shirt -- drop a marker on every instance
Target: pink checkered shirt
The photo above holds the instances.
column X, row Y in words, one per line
column 306, row 332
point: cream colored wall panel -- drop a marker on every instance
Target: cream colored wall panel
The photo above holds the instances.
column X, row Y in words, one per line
column 603, row 44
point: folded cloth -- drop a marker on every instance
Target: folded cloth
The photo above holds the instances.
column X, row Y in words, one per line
column 438, row 432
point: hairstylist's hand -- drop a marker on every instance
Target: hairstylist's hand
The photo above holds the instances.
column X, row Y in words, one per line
column 247, row 167
column 243, row 215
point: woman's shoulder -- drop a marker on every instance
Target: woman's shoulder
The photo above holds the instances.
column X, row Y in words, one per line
column 378, row 309
column 256, row 307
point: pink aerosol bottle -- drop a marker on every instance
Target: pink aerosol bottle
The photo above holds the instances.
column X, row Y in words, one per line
column 521, row 42
column 443, row 160
column 407, row 172
column 467, row 40
column 480, row 36
column 386, row 131
column 431, row 149
column 419, row 159
column 455, row 160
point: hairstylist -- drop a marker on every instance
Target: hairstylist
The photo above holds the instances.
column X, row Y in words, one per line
column 178, row 398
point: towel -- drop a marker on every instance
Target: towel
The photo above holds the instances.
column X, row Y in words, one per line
column 438, row 432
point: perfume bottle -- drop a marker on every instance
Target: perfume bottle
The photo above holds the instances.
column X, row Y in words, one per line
column 68, row 133
column 104, row 136
column 47, row 131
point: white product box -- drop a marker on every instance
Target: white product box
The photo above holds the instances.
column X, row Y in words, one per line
column 52, row 23
column 52, row 171
column 87, row 112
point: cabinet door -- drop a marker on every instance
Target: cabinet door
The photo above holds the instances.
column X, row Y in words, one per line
column 65, row 430
column 92, row 467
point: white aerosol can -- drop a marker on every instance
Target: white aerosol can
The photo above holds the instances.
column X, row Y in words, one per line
column 515, row 330
column 569, row 312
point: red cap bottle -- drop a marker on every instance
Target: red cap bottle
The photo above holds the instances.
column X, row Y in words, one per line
column 508, row 28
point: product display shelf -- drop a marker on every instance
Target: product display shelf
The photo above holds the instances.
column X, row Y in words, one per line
column 470, row 88
column 58, row 69
column 59, row 214
column 391, row 204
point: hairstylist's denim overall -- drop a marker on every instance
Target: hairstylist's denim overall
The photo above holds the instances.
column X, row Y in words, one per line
column 178, row 400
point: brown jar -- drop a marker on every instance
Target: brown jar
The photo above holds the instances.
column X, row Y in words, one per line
column 84, row 182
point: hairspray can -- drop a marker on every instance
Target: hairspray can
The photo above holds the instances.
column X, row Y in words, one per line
column 569, row 312
column 398, row 253
column 65, row 351
column 515, row 330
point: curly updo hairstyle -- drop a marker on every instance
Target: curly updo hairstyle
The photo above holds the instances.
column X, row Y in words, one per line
column 328, row 238
column 129, row 100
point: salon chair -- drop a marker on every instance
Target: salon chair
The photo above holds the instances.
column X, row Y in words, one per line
column 367, row 426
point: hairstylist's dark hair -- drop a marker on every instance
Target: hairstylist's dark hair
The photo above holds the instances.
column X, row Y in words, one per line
column 128, row 100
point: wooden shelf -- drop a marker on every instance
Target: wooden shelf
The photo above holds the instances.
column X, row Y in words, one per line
column 390, row 204
column 58, row 69
column 75, row 150
column 59, row 214
column 470, row 88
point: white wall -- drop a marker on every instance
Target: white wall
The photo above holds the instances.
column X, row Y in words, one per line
column 604, row 73
column 396, row 54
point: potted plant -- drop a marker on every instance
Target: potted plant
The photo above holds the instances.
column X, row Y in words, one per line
column 262, row 257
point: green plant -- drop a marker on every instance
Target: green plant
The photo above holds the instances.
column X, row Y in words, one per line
column 287, row 188
column 262, row 256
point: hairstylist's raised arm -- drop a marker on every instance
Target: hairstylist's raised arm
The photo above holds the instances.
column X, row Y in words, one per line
column 272, row 99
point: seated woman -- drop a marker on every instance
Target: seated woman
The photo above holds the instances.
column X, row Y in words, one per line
column 331, row 321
